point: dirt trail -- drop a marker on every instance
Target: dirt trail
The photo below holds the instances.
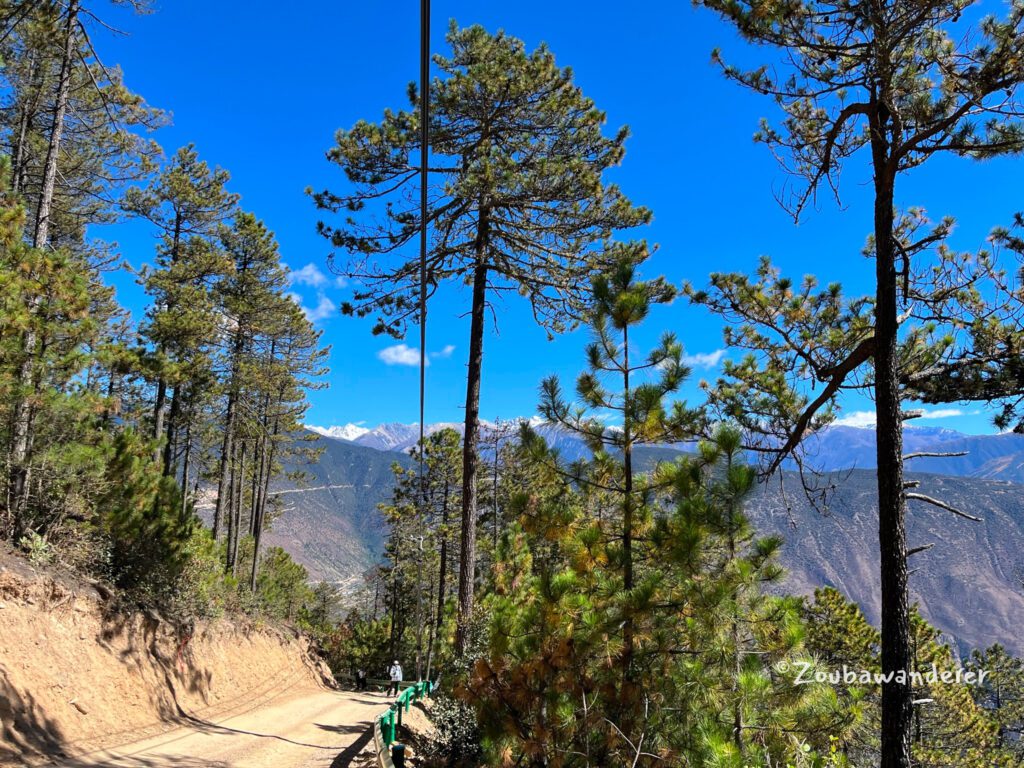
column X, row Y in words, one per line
column 78, row 677
column 314, row 729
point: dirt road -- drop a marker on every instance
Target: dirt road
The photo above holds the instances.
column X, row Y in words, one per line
column 316, row 729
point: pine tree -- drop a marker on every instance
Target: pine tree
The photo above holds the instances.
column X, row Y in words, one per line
column 887, row 77
column 952, row 724
column 987, row 368
column 422, row 514
column 245, row 297
column 288, row 363
column 73, row 128
column 186, row 204
column 519, row 205
column 270, row 355
column 46, row 296
column 69, row 131
column 1001, row 694
column 621, row 302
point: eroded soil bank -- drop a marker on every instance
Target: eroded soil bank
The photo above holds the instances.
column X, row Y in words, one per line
column 77, row 676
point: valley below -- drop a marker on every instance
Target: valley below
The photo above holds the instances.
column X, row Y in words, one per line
column 969, row 583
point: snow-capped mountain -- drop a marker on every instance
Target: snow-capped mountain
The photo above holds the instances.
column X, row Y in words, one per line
column 995, row 457
column 349, row 432
column 393, row 436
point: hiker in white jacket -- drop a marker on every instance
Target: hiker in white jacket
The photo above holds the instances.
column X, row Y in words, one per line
column 395, row 673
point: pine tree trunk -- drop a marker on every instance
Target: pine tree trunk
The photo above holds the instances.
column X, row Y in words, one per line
column 734, row 632
column 185, row 468
column 229, row 517
column 897, row 706
column 41, row 236
column 393, row 640
column 24, row 407
column 229, row 431
column 169, row 445
column 442, row 575
column 431, row 637
column 28, row 106
column 261, row 467
column 470, row 451
column 626, row 695
column 225, row 460
column 494, row 493
column 255, row 486
column 236, row 507
column 262, row 511
column 160, row 407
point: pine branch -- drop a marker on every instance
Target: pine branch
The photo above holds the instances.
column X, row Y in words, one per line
column 941, row 505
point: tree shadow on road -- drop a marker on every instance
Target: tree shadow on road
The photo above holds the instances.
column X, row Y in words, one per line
column 139, row 761
column 345, row 759
column 24, row 725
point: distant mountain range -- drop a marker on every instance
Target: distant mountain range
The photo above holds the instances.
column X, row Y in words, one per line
column 993, row 457
column 400, row 437
column 330, row 521
column 969, row 583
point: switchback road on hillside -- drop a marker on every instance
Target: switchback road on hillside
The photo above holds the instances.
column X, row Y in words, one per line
column 313, row 729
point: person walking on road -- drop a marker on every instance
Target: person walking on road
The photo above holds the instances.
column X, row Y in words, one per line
column 395, row 673
column 360, row 679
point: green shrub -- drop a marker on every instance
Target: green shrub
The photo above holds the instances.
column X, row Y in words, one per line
column 140, row 514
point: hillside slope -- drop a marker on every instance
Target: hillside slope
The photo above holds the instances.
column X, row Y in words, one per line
column 77, row 676
column 969, row 584
column 991, row 457
column 329, row 521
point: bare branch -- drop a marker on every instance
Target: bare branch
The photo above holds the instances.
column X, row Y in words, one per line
column 941, row 505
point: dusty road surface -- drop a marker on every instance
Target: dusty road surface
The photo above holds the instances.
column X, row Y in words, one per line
column 314, row 729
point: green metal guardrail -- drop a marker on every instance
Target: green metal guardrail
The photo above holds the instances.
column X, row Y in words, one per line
column 386, row 724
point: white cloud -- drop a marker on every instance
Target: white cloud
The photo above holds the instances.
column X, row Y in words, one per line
column 400, row 354
column 309, row 275
column 867, row 418
column 341, row 281
column 704, row 359
column 943, row 413
column 444, row 353
column 323, row 309
column 856, row 419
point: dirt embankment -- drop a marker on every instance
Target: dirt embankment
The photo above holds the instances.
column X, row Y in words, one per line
column 76, row 676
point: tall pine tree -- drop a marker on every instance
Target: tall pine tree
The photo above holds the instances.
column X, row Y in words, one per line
column 518, row 204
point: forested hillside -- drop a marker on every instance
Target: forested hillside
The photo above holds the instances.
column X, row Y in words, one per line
column 330, row 521
column 111, row 423
column 969, row 584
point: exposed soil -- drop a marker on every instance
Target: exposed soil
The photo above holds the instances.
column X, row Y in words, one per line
column 77, row 677
column 313, row 729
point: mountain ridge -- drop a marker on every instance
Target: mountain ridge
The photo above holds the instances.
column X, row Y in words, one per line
column 997, row 456
column 970, row 584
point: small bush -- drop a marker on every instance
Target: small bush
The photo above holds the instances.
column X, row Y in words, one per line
column 38, row 549
column 457, row 740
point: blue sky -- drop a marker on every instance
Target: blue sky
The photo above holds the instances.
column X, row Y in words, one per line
column 260, row 89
